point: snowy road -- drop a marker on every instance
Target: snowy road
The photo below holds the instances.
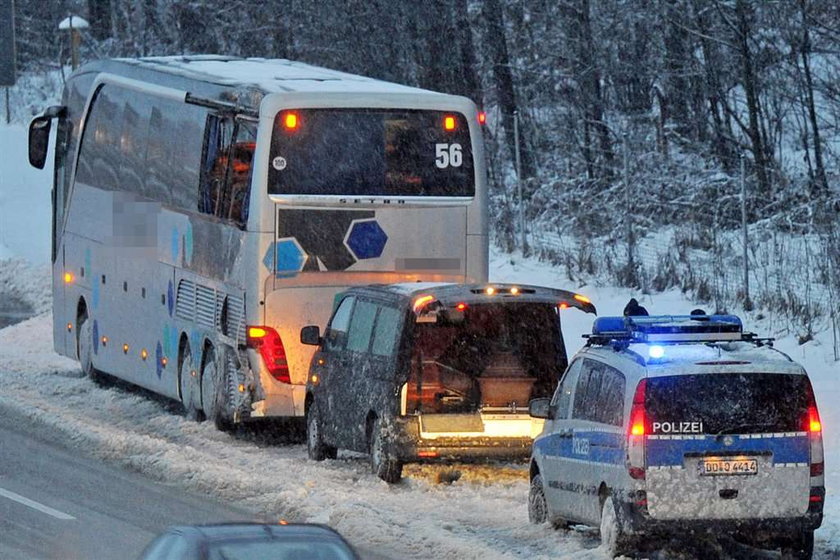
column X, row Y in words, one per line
column 58, row 504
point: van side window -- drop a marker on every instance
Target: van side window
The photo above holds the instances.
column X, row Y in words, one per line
column 385, row 332
column 599, row 396
column 563, row 395
column 336, row 334
column 361, row 326
column 610, row 404
column 586, row 391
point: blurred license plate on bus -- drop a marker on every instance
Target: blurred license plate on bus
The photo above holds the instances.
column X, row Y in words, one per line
column 712, row 467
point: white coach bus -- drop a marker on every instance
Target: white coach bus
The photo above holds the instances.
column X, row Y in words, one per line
column 205, row 208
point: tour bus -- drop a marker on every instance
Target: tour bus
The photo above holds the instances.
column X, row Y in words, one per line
column 205, row 208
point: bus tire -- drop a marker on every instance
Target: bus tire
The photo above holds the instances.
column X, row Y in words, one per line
column 216, row 388
column 315, row 446
column 189, row 387
column 84, row 349
column 382, row 463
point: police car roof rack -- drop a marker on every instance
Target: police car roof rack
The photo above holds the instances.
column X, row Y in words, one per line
column 621, row 331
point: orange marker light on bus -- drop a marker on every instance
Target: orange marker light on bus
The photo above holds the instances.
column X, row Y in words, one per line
column 257, row 332
column 68, row 277
column 291, row 121
column 449, row 123
column 482, row 117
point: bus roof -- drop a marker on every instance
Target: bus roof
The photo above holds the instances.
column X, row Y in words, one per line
column 225, row 77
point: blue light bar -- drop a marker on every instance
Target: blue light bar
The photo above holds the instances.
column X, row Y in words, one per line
column 669, row 328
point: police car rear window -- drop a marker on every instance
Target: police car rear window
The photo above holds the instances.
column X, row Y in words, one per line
column 737, row 403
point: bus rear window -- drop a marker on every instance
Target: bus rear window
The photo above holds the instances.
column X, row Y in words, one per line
column 726, row 403
column 365, row 152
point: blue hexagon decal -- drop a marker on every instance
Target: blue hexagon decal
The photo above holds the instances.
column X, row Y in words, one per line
column 366, row 239
column 285, row 256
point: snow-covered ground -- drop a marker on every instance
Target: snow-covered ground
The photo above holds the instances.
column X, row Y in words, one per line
column 481, row 515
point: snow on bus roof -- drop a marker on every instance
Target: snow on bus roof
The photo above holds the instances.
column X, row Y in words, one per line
column 270, row 75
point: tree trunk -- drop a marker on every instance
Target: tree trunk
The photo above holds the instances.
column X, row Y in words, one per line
column 750, row 89
column 469, row 77
column 820, row 187
column 503, row 78
column 99, row 16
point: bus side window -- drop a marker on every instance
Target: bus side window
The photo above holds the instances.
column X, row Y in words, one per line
column 226, row 169
column 235, row 192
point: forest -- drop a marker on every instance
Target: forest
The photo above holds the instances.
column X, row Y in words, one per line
column 688, row 144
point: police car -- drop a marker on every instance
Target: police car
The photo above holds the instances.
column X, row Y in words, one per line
column 677, row 424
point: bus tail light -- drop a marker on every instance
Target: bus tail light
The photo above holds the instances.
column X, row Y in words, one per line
column 636, row 432
column 482, row 117
column 268, row 343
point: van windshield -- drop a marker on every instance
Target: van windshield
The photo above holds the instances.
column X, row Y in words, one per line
column 726, row 403
column 492, row 356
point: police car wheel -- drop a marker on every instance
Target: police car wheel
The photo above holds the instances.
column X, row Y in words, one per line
column 315, row 446
column 537, row 505
column 799, row 548
column 613, row 538
column 382, row 464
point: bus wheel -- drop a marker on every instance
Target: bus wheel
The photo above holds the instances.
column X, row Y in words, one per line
column 381, row 463
column 84, row 346
column 216, row 387
column 188, row 382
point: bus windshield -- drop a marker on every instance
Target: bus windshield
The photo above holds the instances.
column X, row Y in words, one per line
column 371, row 152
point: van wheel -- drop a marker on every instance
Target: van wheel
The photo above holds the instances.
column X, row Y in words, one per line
column 216, row 393
column 190, row 390
column 315, row 446
column 537, row 505
column 801, row 547
column 84, row 349
column 381, row 463
column 614, row 540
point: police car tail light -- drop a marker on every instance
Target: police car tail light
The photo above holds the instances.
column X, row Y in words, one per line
column 268, row 343
column 813, row 426
column 636, row 433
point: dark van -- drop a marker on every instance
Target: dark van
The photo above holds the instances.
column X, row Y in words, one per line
column 418, row 372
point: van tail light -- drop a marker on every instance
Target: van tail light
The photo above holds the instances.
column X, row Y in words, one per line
column 812, row 424
column 268, row 343
column 636, row 431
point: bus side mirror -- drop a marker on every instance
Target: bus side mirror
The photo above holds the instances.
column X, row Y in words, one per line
column 310, row 335
column 39, row 135
column 540, row 408
column 39, row 141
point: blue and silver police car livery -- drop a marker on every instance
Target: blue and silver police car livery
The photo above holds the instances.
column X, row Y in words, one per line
column 675, row 423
